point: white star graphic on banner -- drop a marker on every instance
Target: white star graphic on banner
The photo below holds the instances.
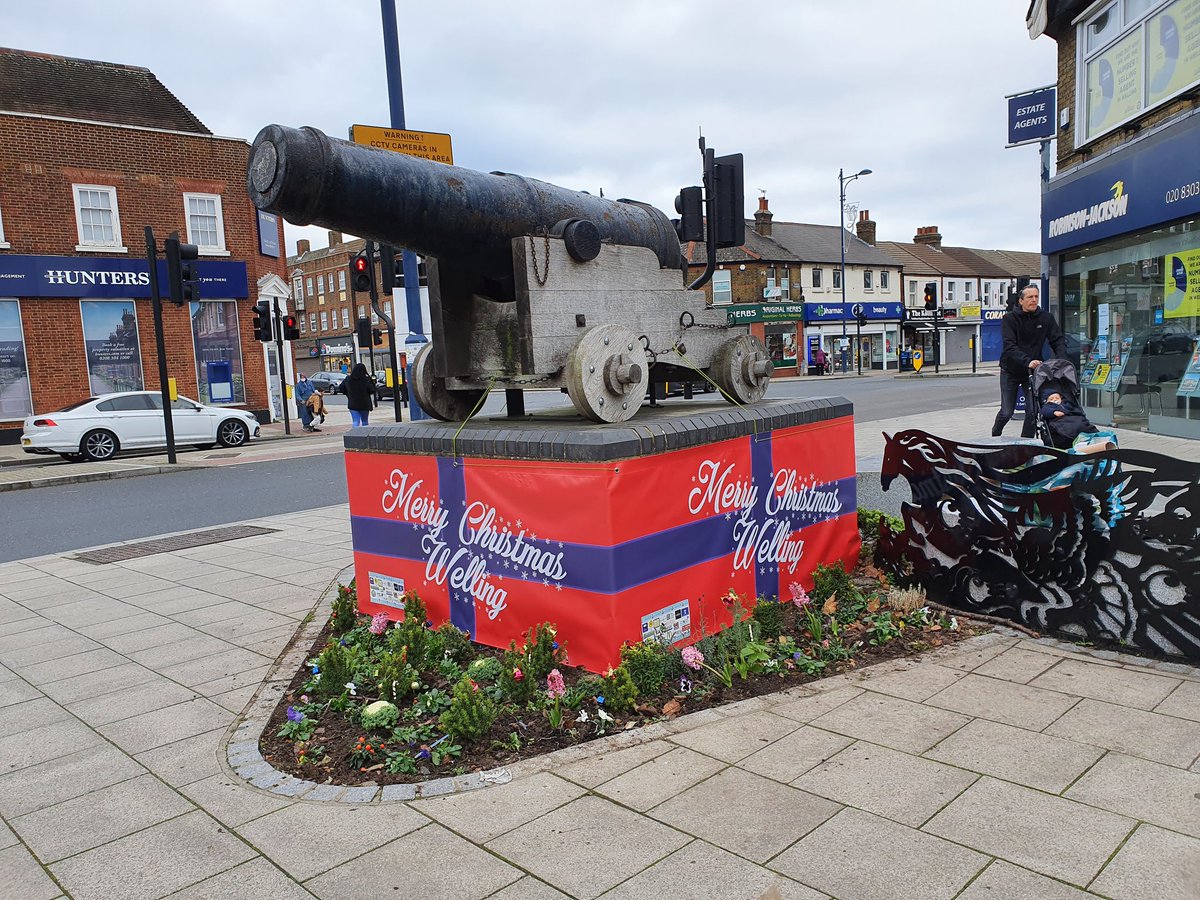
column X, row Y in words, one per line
column 518, row 523
column 558, row 587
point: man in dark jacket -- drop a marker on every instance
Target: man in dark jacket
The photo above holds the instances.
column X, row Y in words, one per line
column 1025, row 331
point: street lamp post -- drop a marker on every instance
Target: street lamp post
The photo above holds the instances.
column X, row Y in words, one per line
column 842, row 182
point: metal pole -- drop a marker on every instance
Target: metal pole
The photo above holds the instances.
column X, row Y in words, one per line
column 408, row 260
column 858, row 339
column 842, row 235
column 283, row 397
column 393, row 358
column 159, row 342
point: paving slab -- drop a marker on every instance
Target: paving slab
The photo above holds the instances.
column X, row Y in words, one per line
column 1053, row 836
column 148, row 696
column 254, row 880
column 895, row 785
column 805, row 709
column 918, row 681
column 605, row 766
column 83, row 663
column 588, row 846
column 723, row 875
column 480, row 816
column 529, row 888
column 1184, row 702
column 1124, row 687
column 182, row 762
column 120, row 677
column 24, row 878
column 1154, row 864
column 1004, row 881
column 150, row 863
column 794, row 754
column 1017, row 664
column 660, row 778
column 736, row 737
column 900, row 724
column 346, row 831
column 231, row 800
column 40, row 745
column 1164, row 739
column 109, row 813
column 34, row 713
column 745, row 813
column 859, row 856
column 1149, row 791
column 166, row 725
column 1014, row 754
column 1021, row 705
column 431, row 863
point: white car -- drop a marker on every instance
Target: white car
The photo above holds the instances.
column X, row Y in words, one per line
column 98, row 427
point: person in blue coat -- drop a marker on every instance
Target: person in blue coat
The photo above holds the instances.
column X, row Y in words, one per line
column 304, row 390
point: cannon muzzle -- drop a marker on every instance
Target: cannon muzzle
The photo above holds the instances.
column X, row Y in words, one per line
column 431, row 208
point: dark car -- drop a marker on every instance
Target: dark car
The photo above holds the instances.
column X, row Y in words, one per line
column 382, row 391
column 327, row 382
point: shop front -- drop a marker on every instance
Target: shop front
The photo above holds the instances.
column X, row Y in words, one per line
column 778, row 326
column 74, row 327
column 1123, row 238
column 876, row 343
column 334, row 355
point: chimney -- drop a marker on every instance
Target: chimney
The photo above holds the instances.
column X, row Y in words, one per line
column 865, row 227
column 302, row 247
column 762, row 218
column 335, row 239
column 928, row 235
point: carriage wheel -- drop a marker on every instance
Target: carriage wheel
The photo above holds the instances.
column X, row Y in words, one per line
column 431, row 392
column 742, row 369
column 607, row 374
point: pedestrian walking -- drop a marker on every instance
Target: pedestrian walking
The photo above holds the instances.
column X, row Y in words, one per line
column 1025, row 332
column 305, row 390
column 819, row 360
column 359, row 388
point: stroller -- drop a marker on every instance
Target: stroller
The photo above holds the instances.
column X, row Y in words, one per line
column 1062, row 432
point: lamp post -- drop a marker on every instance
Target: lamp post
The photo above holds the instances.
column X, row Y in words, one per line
column 842, row 182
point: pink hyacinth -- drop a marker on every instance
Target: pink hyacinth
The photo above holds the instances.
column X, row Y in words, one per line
column 692, row 658
column 799, row 595
column 379, row 623
column 555, row 686
column 518, row 675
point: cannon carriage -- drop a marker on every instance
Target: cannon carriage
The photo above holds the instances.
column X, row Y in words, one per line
column 530, row 285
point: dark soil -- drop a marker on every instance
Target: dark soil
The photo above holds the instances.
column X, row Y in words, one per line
column 528, row 733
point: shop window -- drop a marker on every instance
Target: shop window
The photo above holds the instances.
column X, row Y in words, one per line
column 15, row 400
column 205, row 223
column 781, row 344
column 110, row 341
column 218, row 352
column 816, row 278
column 97, row 218
column 884, row 280
column 722, row 287
column 4, row 245
column 868, row 280
column 837, row 279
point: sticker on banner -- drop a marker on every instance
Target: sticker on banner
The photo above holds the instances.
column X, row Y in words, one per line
column 669, row 624
column 387, row 591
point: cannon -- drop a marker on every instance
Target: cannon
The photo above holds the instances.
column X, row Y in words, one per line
column 531, row 285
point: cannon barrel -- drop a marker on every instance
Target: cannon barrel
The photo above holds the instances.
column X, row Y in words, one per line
column 429, row 207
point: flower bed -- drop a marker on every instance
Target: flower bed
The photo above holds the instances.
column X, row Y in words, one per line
column 386, row 703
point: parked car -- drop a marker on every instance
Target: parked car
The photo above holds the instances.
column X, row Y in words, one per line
column 327, row 382
column 382, row 391
column 99, row 427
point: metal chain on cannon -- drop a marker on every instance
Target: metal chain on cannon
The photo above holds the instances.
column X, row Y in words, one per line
column 545, row 273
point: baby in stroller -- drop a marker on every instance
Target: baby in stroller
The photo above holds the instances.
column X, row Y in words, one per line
column 1061, row 420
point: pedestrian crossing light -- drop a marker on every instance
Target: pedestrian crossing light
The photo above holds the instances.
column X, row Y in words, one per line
column 183, row 284
column 931, row 295
column 360, row 273
column 376, row 336
column 291, row 330
column 262, row 322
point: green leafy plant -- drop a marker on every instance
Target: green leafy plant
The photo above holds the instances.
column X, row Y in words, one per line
column 298, row 727
column 485, row 669
column 443, row 750
column 336, row 666
column 380, row 714
column 432, row 702
column 472, row 712
column 648, row 664
column 400, row 762
column 515, row 684
column 542, row 651
column 754, row 658
column 412, row 735
column 869, row 521
column 619, row 692
column 456, row 644
column 411, row 632
column 396, row 680
column 365, row 751
column 768, row 616
column 883, row 627
column 345, row 609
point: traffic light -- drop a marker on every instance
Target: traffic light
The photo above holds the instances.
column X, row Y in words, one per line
column 183, row 284
column 931, row 295
column 389, row 273
column 262, row 322
column 291, row 330
column 363, row 328
column 362, row 276
column 862, row 319
column 376, row 336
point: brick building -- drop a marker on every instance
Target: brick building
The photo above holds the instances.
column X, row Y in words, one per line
column 90, row 154
column 1121, row 217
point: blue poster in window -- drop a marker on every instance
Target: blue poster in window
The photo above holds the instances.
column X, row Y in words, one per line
column 15, row 402
column 110, row 340
column 268, row 234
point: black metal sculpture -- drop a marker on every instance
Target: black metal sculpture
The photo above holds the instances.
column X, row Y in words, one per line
column 1098, row 546
column 530, row 284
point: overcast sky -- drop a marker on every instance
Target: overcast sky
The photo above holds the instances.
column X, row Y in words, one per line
column 611, row 95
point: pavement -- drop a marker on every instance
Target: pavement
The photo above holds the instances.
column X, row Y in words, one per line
column 132, row 693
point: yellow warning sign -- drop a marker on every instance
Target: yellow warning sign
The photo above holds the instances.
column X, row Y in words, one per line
column 918, row 360
column 426, row 144
column 1101, row 374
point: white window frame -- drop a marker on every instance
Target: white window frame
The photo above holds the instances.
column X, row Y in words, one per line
column 817, row 277
column 885, row 280
column 341, row 279
column 320, row 285
column 114, row 246
column 324, row 320
column 723, row 278
column 1126, row 25
column 4, row 245
column 837, row 278
column 912, row 293
column 345, row 317
column 217, row 249
column 949, row 291
column 868, row 280
column 312, row 322
column 966, row 292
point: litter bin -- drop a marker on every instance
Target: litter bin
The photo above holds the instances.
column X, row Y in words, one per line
column 906, row 361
